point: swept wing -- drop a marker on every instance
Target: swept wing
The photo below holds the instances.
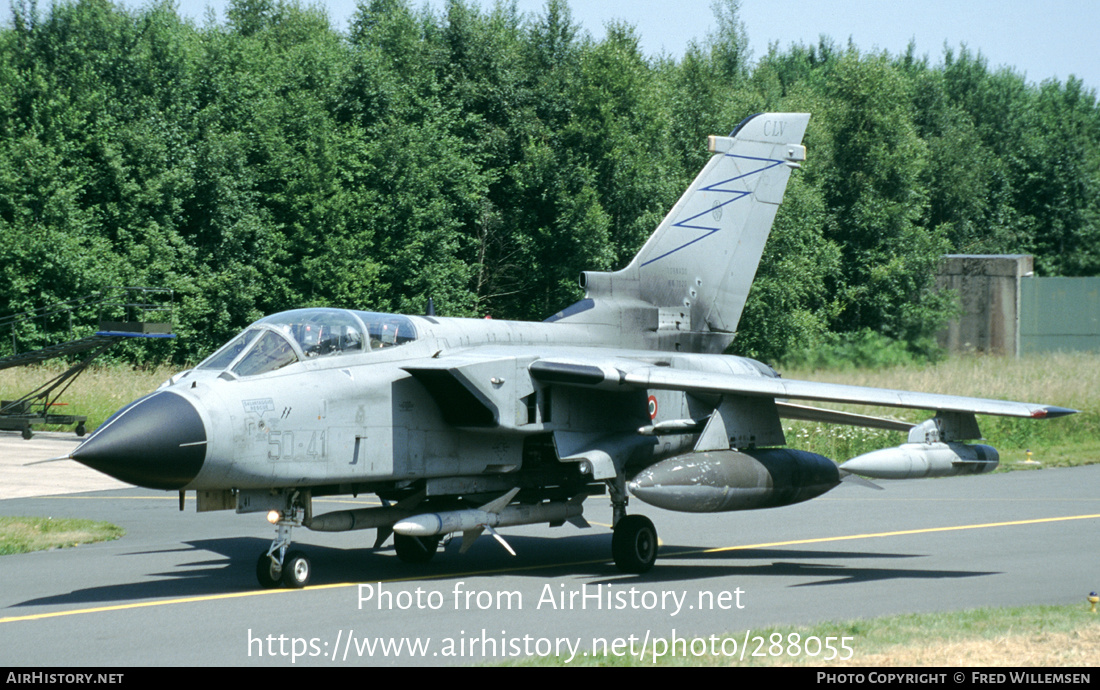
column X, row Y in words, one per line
column 604, row 373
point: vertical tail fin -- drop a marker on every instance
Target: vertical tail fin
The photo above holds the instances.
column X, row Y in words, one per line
column 699, row 264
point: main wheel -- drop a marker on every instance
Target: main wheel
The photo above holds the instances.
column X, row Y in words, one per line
column 269, row 574
column 415, row 549
column 634, row 544
column 296, row 570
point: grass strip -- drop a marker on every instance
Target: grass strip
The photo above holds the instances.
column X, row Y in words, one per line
column 25, row 534
column 1067, row 636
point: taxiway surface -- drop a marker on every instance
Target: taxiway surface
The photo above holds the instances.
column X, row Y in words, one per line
column 180, row 588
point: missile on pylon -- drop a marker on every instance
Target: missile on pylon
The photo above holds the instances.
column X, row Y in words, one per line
column 446, row 522
column 917, row 460
column 363, row 518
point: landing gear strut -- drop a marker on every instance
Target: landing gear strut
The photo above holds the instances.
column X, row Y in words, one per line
column 277, row 567
column 634, row 539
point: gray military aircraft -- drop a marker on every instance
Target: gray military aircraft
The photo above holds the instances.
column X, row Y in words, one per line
column 466, row 425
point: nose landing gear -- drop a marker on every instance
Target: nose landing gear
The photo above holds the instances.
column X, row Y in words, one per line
column 276, row 566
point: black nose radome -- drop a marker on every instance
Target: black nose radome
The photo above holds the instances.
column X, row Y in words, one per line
column 157, row 442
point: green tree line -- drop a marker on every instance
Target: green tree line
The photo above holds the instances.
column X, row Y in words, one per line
column 483, row 158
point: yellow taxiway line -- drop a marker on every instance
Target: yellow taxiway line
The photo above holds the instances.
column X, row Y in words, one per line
column 818, row 540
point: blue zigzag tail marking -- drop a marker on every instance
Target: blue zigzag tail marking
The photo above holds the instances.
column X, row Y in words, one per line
column 717, row 187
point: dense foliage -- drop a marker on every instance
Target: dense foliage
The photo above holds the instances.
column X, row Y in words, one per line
column 483, row 158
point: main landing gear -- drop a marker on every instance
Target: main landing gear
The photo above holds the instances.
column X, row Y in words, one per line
column 634, row 544
column 634, row 538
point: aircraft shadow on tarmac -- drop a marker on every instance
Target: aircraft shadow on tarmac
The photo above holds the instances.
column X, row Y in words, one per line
column 791, row 563
column 227, row 566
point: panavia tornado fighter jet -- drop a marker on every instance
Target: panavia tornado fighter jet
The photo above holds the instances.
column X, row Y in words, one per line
column 469, row 425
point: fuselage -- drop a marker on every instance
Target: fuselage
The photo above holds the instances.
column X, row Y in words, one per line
column 355, row 400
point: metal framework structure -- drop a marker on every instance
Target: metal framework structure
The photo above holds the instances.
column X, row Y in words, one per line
column 142, row 311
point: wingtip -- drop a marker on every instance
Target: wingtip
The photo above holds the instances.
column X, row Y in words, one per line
column 1051, row 411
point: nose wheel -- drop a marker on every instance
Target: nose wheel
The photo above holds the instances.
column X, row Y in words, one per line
column 269, row 571
column 296, row 570
column 276, row 567
column 292, row 573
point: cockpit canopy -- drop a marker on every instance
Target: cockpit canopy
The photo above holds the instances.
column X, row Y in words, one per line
column 292, row 336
